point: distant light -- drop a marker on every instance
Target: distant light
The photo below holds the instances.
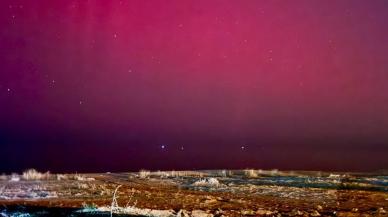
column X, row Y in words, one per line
column 242, row 147
column 8, row 90
column 163, row 146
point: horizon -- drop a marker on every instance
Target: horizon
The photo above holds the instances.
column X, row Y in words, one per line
column 265, row 172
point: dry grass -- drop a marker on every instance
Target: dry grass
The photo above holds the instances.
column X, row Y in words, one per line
column 251, row 173
column 179, row 174
column 15, row 177
column 76, row 177
column 225, row 173
column 3, row 177
column 82, row 178
column 207, row 182
column 62, row 177
column 166, row 174
column 32, row 174
column 192, row 174
column 144, row 174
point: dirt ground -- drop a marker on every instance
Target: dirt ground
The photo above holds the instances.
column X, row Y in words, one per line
column 236, row 194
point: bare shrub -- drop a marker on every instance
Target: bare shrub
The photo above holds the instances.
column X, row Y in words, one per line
column 114, row 204
column 132, row 210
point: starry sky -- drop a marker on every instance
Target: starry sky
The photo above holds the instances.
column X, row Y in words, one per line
column 95, row 86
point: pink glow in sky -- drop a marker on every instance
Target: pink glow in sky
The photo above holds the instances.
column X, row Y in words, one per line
column 299, row 84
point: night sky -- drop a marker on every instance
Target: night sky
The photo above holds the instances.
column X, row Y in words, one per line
column 96, row 86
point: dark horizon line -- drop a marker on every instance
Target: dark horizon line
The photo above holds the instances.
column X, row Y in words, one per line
column 65, row 171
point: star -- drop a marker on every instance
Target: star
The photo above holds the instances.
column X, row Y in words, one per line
column 163, row 146
column 242, row 147
column 9, row 90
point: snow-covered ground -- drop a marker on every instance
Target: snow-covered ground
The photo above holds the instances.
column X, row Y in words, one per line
column 14, row 190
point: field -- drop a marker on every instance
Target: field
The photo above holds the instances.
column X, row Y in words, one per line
column 195, row 193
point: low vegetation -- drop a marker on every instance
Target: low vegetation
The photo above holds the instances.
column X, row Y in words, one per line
column 167, row 174
column 251, row 173
column 3, row 177
column 32, row 174
column 15, row 177
column 144, row 174
column 207, row 182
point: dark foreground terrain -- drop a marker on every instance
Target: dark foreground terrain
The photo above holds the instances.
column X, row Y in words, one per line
column 195, row 193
